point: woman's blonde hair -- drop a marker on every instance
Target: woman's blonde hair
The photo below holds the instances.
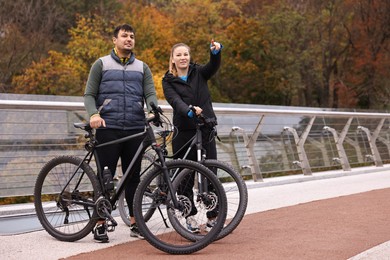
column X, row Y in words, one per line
column 172, row 66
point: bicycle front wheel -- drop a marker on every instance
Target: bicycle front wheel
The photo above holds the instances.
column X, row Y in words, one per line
column 164, row 228
column 65, row 192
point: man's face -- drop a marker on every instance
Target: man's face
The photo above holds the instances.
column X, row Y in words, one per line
column 125, row 41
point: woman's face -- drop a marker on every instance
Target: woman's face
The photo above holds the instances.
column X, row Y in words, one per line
column 181, row 57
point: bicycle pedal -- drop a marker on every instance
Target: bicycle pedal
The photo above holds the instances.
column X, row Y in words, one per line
column 111, row 223
column 110, row 228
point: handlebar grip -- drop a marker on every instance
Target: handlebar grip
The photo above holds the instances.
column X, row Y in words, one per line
column 192, row 108
column 156, row 111
column 155, row 108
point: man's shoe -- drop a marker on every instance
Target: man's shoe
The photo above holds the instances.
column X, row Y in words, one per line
column 100, row 234
column 192, row 225
column 210, row 224
column 134, row 232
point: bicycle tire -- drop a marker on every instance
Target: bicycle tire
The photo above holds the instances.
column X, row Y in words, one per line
column 237, row 198
column 236, row 194
column 157, row 230
column 58, row 214
column 123, row 209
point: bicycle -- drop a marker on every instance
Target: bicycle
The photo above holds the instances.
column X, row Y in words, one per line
column 234, row 185
column 70, row 197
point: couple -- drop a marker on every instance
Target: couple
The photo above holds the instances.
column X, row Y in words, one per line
column 118, row 86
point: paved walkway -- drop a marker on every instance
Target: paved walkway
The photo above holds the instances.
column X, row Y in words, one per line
column 330, row 215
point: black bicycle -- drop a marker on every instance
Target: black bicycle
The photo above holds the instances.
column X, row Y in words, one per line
column 70, row 197
column 233, row 183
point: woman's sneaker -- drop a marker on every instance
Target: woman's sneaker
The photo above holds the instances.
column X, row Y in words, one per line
column 134, row 232
column 100, row 234
column 210, row 224
column 192, row 225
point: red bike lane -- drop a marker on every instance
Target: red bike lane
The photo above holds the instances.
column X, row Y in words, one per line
column 336, row 228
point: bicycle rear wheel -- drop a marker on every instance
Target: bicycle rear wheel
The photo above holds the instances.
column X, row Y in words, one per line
column 159, row 229
column 65, row 192
column 237, row 199
column 236, row 194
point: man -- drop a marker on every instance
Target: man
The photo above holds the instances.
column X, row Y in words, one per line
column 117, row 88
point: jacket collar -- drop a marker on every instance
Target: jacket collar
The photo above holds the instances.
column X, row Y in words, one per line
column 128, row 61
column 169, row 76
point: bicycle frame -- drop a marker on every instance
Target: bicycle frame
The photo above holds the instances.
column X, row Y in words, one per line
column 195, row 141
column 149, row 140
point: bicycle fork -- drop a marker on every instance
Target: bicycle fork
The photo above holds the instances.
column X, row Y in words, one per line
column 167, row 178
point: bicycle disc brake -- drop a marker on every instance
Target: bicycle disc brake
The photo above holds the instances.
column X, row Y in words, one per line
column 207, row 201
column 184, row 207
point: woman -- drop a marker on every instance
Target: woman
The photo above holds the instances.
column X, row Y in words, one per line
column 185, row 85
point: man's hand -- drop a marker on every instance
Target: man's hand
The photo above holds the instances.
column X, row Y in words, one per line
column 96, row 121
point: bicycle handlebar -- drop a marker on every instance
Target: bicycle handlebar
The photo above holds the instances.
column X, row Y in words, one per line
column 157, row 111
column 210, row 122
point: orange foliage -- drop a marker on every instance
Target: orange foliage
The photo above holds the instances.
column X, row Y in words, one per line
column 275, row 51
column 58, row 74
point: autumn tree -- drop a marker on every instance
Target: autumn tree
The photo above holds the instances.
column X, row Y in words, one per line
column 65, row 73
column 90, row 39
column 207, row 20
column 288, row 53
column 369, row 62
column 334, row 41
column 154, row 38
column 56, row 75
column 243, row 73
column 308, row 43
column 279, row 52
column 29, row 29
column 26, row 34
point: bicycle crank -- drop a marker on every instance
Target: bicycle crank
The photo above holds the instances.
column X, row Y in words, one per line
column 104, row 209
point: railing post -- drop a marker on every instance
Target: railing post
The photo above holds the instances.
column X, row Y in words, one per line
column 249, row 145
column 339, row 143
column 372, row 141
column 386, row 142
column 300, row 142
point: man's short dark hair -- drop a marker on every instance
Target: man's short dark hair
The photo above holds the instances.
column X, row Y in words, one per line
column 124, row 27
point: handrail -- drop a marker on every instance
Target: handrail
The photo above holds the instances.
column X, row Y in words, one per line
column 220, row 108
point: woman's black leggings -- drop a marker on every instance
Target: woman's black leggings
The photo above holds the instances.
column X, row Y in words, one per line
column 180, row 140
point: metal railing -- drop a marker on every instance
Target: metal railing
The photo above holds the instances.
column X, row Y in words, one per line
column 259, row 141
column 318, row 140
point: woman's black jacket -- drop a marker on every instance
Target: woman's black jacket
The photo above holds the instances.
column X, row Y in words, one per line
column 180, row 94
